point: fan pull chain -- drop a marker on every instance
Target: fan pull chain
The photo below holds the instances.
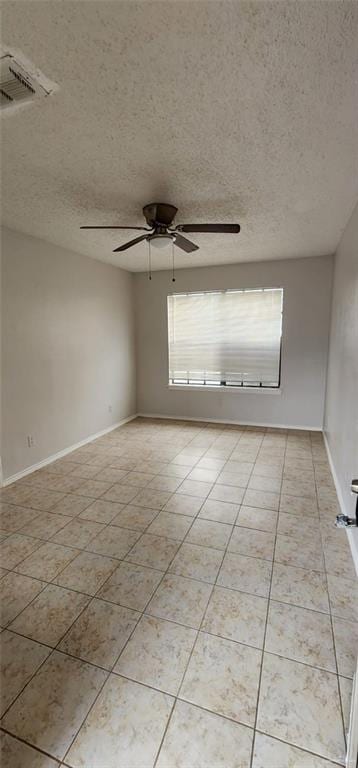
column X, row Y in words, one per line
column 173, row 277
column 149, row 262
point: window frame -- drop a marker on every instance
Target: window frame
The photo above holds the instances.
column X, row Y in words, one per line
column 190, row 385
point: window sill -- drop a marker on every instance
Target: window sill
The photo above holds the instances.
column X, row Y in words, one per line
column 231, row 390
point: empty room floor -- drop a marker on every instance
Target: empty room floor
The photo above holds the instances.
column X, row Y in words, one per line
column 175, row 594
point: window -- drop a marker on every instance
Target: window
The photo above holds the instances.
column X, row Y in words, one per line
column 225, row 338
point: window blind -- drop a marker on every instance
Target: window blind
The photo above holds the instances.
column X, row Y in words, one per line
column 231, row 338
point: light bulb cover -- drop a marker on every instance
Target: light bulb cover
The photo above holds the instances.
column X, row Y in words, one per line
column 161, row 241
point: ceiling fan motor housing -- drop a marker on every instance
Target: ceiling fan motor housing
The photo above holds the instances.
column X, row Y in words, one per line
column 159, row 214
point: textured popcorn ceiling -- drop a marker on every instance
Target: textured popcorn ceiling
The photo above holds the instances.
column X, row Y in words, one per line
column 243, row 111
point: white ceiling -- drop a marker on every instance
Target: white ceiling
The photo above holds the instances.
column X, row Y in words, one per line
column 232, row 111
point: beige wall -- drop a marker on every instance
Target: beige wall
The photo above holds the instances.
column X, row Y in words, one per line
column 341, row 414
column 306, row 314
column 67, row 349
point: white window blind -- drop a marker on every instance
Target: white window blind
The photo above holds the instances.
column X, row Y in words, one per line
column 230, row 338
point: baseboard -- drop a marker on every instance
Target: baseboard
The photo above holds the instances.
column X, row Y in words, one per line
column 229, row 421
column 352, row 532
column 65, row 451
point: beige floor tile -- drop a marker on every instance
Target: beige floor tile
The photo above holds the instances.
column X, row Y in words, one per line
column 195, row 488
column 13, row 518
column 45, row 526
column 135, row 518
column 113, row 541
column 183, row 505
column 49, row 616
column 62, row 483
column 203, row 475
column 293, row 698
column 343, row 595
column 93, row 489
column 300, row 528
column 208, row 463
column 219, row 511
column 131, row 586
column 239, row 467
column 42, row 499
column 259, row 519
column 301, row 635
column 236, row 616
column 271, row 753
column 165, row 483
column 346, row 686
column 239, row 480
column 230, row 493
column 16, row 592
column 152, row 499
column 171, row 526
column 71, row 505
column 100, row 511
column 139, row 479
column 307, row 554
column 128, row 719
column 223, row 677
column 209, row 534
column 339, row 562
column 15, row 548
column 77, row 533
column 15, row 493
column 100, row 633
column 111, row 475
column 264, row 483
column 246, row 541
column 180, row 599
column 157, row 654
column 299, row 586
column 54, row 704
column 19, row 660
column 120, row 493
column 346, row 642
column 175, row 470
column 87, row 572
column 47, row 561
column 300, row 488
column 197, row 562
column 263, row 499
column 263, row 469
column 16, row 754
column 200, row 739
column 247, row 574
column 296, row 505
column 153, row 551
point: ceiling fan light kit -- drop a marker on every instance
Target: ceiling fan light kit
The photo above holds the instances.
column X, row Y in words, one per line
column 160, row 233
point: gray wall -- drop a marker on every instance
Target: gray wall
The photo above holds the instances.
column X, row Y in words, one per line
column 307, row 296
column 341, row 414
column 67, row 348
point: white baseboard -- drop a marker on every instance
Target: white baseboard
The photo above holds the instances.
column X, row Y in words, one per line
column 229, row 421
column 64, row 452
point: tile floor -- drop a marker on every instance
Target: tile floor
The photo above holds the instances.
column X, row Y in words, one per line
column 175, row 595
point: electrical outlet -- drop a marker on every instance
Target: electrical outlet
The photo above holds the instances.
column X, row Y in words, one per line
column 30, row 441
column 110, row 409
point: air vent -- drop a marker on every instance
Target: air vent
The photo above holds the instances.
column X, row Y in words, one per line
column 20, row 82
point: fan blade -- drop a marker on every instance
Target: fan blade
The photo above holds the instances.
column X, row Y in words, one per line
column 233, row 228
column 185, row 244
column 90, row 226
column 131, row 242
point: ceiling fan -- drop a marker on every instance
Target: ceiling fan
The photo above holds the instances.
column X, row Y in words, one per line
column 159, row 218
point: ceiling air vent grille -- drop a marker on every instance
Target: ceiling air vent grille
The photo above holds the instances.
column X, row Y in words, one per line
column 21, row 83
column 16, row 88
